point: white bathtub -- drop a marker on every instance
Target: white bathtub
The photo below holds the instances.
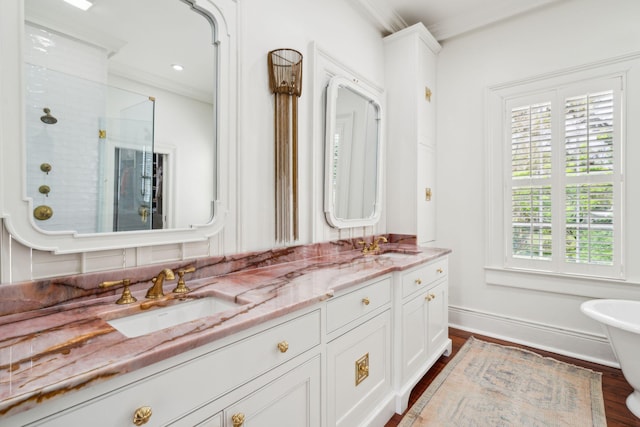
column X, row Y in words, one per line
column 621, row 321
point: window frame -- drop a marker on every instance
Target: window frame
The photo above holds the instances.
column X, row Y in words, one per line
column 498, row 167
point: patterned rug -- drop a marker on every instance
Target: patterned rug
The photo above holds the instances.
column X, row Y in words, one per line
column 492, row 385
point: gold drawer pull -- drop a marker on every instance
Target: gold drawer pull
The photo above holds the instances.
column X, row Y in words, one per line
column 440, row 270
column 362, row 369
column 283, row 347
column 142, row 415
column 418, row 281
column 237, row 419
column 366, row 301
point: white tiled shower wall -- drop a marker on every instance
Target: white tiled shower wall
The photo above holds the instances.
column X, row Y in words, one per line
column 72, row 84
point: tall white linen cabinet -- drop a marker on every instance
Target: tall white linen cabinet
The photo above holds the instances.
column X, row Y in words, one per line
column 410, row 80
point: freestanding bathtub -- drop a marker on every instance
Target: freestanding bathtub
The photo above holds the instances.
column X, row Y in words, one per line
column 621, row 320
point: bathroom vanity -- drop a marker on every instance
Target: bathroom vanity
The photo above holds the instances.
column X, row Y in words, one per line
column 339, row 338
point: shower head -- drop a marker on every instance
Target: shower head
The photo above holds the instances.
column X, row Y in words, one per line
column 48, row 118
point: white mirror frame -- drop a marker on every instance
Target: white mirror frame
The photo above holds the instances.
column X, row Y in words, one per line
column 356, row 86
column 17, row 210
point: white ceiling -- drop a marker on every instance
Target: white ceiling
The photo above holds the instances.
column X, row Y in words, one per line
column 446, row 18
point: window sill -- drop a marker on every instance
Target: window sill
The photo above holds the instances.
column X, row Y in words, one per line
column 583, row 286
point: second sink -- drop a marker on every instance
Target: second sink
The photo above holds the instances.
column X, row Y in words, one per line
column 166, row 317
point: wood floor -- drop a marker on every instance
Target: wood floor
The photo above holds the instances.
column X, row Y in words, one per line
column 615, row 388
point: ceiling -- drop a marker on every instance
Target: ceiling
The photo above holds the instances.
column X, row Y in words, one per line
column 446, row 18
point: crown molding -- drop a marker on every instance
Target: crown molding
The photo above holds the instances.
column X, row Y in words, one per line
column 381, row 14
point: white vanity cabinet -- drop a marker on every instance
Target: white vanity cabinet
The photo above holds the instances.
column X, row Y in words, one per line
column 359, row 371
column 422, row 319
column 410, row 80
column 349, row 361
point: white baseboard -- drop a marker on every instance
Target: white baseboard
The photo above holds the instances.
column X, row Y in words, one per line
column 576, row 344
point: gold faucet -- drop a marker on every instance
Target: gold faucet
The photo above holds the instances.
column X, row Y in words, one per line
column 374, row 246
column 156, row 291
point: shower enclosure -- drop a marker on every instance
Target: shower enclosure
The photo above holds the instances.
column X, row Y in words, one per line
column 93, row 168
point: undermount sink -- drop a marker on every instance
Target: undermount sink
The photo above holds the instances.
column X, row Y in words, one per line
column 166, row 317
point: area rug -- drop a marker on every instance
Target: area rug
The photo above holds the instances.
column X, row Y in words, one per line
column 488, row 384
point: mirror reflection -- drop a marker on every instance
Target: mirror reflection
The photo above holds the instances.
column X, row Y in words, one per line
column 117, row 138
column 353, row 155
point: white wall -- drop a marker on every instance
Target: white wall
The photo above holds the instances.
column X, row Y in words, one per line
column 562, row 36
column 336, row 27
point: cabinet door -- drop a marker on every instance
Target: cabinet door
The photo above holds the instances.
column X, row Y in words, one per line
column 438, row 316
column 293, row 400
column 426, row 81
column 359, row 372
column 414, row 335
column 424, row 328
column 426, row 214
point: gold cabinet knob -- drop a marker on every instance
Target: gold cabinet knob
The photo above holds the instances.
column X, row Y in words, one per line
column 142, row 415
column 430, row 297
column 237, row 419
column 433, row 296
column 418, row 281
column 366, row 301
column 283, row 346
column 440, row 271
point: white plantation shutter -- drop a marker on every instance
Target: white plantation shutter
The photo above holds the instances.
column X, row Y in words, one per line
column 531, row 181
column 592, row 178
column 564, row 193
column 589, row 134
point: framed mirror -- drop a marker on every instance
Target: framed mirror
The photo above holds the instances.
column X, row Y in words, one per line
column 353, row 154
column 121, row 122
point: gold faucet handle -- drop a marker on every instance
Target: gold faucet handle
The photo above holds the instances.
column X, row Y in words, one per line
column 182, row 271
column 365, row 247
column 126, row 297
column 182, row 288
column 111, row 283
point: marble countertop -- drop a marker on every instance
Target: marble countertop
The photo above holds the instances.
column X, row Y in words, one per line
column 68, row 346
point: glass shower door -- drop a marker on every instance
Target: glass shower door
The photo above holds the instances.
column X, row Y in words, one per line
column 131, row 137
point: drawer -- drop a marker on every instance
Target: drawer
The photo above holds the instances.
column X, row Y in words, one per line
column 178, row 390
column 422, row 277
column 346, row 308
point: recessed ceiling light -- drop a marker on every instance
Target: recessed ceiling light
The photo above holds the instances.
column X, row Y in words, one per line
column 177, row 67
column 80, row 4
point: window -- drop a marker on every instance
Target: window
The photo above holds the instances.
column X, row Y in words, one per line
column 563, row 178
